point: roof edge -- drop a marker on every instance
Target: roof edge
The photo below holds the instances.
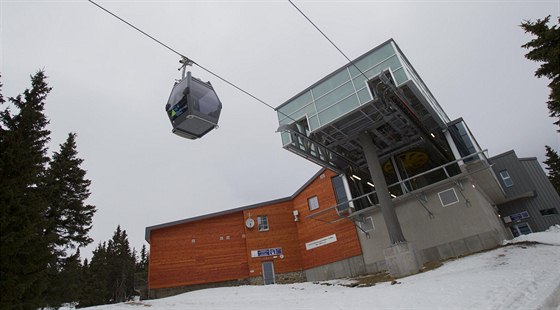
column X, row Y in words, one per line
column 211, row 215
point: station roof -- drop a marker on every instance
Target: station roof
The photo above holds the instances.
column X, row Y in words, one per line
column 230, row 211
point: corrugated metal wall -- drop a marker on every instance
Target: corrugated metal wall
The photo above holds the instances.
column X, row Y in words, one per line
column 530, row 182
column 547, row 197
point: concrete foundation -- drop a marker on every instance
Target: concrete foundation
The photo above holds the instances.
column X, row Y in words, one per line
column 349, row 267
column 401, row 259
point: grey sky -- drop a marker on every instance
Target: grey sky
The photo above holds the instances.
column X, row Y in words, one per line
column 110, row 85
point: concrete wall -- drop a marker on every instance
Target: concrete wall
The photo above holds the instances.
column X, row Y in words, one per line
column 349, row 267
column 467, row 226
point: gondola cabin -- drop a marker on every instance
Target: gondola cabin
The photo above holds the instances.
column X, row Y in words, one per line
column 193, row 108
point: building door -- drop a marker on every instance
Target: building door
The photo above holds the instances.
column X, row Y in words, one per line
column 268, row 273
column 521, row 229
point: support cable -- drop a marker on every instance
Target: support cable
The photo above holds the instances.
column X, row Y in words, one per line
column 326, row 37
column 188, row 59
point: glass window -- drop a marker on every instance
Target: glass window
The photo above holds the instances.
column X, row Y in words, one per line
column 521, row 229
column 331, row 83
column 204, row 95
column 313, row 203
column 400, row 76
column 372, row 59
column 448, row 197
column 364, row 95
column 508, row 182
column 367, row 224
column 262, row 221
column 177, row 93
column 550, row 211
column 340, row 193
column 338, row 109
column 334, row 96
column 296, row 104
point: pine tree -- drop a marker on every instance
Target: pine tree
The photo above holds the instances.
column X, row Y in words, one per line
column 24, row 252
column 141, row 273
column 96, row 278
column 552, row 163
column 66, row 188
column 65, row 282
column 122, row 262
column 545, row 48
column 109, row 277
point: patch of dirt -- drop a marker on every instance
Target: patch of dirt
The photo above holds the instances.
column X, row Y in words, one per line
column 137, row 303
column 371, row 280
column 431, row 265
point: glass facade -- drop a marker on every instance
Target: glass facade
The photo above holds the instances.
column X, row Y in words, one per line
column 346, row 90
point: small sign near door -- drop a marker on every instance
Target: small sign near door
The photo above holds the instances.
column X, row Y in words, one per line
column 266, row 252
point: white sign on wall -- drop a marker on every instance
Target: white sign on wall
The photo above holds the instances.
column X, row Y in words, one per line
column 320, row 242
column 266, row 252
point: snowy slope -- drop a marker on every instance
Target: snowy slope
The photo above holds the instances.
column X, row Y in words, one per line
column 519, row 276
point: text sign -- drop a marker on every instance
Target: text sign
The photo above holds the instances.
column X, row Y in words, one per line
column 320, row 242
column 266, row 252
column 519, row 216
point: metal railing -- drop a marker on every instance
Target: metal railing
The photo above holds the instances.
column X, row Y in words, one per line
column 402, row 190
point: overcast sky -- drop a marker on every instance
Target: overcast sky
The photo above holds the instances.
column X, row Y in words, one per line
column 110, row 86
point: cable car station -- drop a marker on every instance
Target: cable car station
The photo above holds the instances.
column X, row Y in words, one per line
column 377, row 123
column 400, row 185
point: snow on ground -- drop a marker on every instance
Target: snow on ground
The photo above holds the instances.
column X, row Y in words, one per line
column 518, row 276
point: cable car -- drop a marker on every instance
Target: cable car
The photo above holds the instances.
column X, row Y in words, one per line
column 193, row 108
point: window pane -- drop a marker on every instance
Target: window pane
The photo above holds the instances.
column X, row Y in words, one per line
column 364, row 96
column 335, row 96
column 448, row 197
column 372, row 59
column 295, row 104
column 206, row 98
column 508, row 182
column 367, row 224
column 262, row 222
column 331, row 83
column 338, row 109
column 313, row 203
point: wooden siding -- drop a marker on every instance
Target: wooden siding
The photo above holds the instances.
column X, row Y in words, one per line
column 219, row 248
column 210, row 250
column 311, row 229
column 282, row 233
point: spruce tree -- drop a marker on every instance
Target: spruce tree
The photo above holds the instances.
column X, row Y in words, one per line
column 24, row 252
column 552, row 163
column 545, row 48
column 96, row 279
column 65, row 282
column 66, row 188
column 141, row 272
column 122, row 262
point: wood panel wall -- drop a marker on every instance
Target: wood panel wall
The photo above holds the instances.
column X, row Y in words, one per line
column 282, row 233
column 311, row 229
column 219, row 248
column 210, row 250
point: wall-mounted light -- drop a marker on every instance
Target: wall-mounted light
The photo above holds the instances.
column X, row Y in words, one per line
column 296, row 213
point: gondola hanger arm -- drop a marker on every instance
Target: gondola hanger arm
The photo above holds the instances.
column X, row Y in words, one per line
column 185, row 61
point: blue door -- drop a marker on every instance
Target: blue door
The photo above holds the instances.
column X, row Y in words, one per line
column 268, row 273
